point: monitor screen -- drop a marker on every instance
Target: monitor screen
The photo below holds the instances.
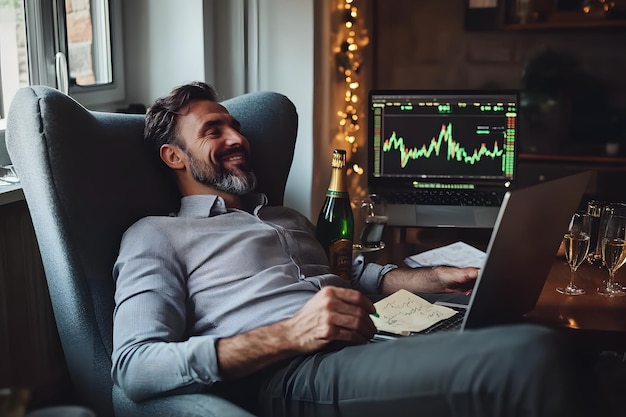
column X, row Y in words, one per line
column 442, row 137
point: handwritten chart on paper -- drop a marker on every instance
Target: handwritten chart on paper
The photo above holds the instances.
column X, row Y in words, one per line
column 403, row 312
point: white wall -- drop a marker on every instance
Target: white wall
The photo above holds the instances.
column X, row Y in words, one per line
column 163, row 46
column 166, row 44
column 286, row 66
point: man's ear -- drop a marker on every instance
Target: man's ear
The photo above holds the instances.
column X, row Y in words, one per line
column 173, row 156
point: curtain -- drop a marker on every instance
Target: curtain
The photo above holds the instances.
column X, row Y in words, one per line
column 235, row 39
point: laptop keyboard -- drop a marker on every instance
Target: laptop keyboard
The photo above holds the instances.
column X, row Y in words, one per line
column 447, row 197
column 452, row 323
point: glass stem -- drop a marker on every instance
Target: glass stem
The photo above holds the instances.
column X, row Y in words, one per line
column 609, row 282
column 571, row 279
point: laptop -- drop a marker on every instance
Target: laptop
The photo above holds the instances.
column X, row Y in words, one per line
column 442, row 158
column 524, row 242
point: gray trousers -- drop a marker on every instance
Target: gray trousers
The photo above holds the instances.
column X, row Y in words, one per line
column 499, row 371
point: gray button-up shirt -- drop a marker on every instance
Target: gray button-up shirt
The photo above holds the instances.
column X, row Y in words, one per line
column 184, row 281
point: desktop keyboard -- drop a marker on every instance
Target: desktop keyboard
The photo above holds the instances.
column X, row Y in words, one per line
column 446, row 197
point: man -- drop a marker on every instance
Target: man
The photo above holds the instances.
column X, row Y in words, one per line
column 235, row 297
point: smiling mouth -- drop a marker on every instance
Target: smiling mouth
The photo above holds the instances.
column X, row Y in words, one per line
column 234, row 158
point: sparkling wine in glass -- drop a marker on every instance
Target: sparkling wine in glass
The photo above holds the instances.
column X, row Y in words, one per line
column 576, row 242
column 613, row 252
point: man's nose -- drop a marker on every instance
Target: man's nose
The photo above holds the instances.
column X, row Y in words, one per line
column 233, row 136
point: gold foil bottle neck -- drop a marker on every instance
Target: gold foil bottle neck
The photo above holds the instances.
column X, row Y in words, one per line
column 339, row 159
column 337, row 184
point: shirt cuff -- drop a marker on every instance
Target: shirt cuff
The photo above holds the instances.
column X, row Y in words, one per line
column 367, row 277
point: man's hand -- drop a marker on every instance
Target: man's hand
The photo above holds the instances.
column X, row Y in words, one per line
column 333, row 314
column 438, row 279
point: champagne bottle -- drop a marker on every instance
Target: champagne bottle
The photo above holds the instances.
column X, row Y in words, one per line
column 335, row 223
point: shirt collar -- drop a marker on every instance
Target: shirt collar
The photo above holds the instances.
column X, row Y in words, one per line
column 207, row 205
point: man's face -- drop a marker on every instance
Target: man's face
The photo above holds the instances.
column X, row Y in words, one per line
column 217, row 152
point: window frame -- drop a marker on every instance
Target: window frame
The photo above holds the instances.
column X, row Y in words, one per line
column 102, row 94
column 46, row 36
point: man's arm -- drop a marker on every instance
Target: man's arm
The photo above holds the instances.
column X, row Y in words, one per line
column 151, row 352
column 150, row 355
column 438, row 279
column 333, row 314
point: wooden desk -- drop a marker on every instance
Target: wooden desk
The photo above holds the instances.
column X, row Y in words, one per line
column 590, row 320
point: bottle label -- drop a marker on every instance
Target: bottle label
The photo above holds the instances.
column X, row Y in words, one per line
column 340, row 257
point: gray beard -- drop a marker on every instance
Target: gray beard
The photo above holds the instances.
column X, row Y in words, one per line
column 221, row 179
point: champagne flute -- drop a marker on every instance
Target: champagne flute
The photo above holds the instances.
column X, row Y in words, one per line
column 608, row 209
column 576, row 242
column 613, row 252
column 594, row 210
column 605, row 210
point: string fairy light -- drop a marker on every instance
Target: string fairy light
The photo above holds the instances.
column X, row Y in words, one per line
column 352, row 38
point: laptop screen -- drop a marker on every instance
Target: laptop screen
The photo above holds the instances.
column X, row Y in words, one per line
column 442, row 139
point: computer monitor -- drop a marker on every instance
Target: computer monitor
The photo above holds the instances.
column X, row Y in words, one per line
column 442, row 138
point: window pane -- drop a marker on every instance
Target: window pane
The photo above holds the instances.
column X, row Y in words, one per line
column 88, row 41
column 13, row 54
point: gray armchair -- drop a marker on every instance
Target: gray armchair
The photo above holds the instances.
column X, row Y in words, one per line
column 86, row 178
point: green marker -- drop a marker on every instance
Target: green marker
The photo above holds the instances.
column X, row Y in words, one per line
column 375, row 315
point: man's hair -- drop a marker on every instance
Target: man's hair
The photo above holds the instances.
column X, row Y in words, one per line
column 160, row 126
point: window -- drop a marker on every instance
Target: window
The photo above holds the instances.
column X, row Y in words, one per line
column 13, row 55
column 73, row 45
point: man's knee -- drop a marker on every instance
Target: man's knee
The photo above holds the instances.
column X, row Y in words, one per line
column 528, row 349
